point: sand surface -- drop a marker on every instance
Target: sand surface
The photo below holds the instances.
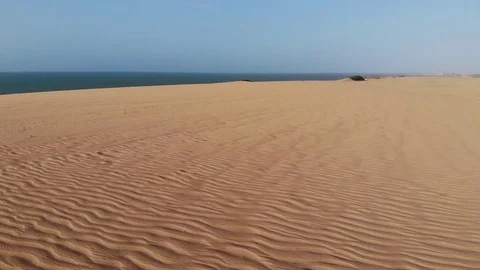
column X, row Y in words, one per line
column 383, row 174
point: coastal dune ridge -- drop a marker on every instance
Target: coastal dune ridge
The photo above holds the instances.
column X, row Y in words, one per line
column 381, row 174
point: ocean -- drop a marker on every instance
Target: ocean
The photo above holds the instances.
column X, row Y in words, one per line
column 24, row 82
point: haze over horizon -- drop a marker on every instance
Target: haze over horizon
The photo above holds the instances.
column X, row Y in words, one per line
column 241, row 37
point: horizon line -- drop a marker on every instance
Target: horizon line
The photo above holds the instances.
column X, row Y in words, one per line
column 213, row 72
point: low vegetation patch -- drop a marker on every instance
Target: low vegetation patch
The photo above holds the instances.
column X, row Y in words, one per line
column 357, row 78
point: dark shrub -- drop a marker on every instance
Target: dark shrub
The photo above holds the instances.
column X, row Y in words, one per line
column 357, row 78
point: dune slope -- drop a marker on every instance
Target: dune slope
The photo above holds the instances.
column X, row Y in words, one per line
column 383, row 174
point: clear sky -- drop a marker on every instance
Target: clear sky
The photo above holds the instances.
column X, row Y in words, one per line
column 240, row 35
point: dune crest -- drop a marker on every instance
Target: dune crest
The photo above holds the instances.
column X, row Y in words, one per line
column 382, row 174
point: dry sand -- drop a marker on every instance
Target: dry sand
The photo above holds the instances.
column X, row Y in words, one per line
column 383, row 174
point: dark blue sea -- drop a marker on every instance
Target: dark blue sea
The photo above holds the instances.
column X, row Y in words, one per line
column 23, row 82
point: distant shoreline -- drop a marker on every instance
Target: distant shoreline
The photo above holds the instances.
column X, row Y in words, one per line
column 159, row 87
column 29, row 82
column 33, row 82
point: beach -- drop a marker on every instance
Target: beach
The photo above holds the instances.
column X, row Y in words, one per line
column 382, row 174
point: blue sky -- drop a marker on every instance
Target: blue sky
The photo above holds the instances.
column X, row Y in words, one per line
column 240, row 35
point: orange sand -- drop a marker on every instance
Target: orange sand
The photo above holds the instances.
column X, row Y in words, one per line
column 383, row 174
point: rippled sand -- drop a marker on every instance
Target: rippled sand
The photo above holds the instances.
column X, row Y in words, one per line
column 383, row 174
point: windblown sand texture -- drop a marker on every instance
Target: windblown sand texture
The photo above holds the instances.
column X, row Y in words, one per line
column 383, row 174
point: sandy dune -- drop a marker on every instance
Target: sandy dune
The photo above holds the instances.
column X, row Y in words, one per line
column 383, row 174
